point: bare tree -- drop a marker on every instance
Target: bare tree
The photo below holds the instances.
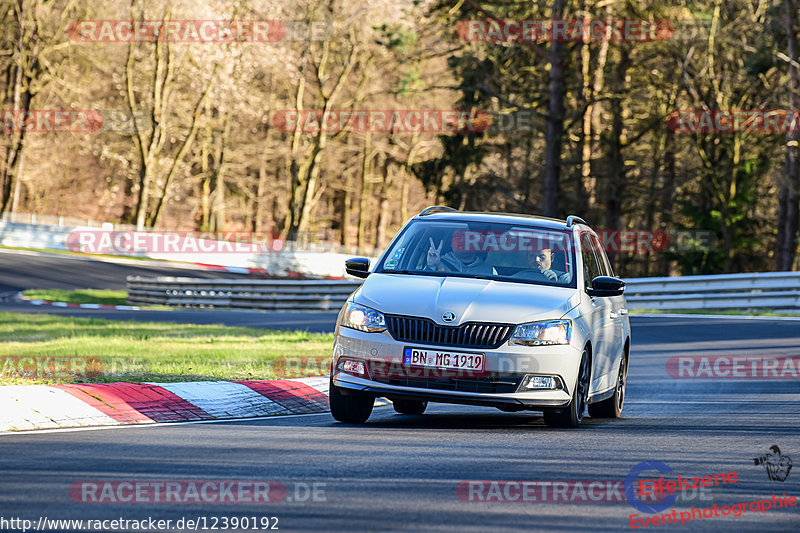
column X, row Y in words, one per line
column 789, row 196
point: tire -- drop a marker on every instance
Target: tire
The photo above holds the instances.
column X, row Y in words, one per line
column 352, row 408
column 409, row 407
column 612, row 407
column 572, row 415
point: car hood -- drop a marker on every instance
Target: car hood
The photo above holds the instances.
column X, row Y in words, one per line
column 472, row 300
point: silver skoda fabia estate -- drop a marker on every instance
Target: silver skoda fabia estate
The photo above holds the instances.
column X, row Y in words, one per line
column 510, row 311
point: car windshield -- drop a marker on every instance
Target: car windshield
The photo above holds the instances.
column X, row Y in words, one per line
column 503, row 252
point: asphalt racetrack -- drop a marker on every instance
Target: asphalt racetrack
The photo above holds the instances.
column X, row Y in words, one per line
column 21, row 270
column 403, row 473
column 26, row 270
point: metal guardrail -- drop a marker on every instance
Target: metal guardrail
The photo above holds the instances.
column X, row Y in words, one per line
column 761, row 290
column 275, row 295
column 313, row 259
column 766, row 290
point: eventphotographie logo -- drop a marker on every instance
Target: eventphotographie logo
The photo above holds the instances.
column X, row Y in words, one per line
column 655, row 495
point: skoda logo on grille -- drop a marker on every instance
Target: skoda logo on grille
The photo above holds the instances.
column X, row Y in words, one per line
column 449, row 317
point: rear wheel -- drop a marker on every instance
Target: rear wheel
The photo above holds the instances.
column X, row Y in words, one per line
column 612, row 407
column 409, row 407
column 351, row 408
column 572, row 415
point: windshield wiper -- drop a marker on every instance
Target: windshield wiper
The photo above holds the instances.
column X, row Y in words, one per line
column 421, row 272
column 476, row 276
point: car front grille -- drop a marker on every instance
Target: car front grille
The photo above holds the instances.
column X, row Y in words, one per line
column 491, row 384
column 469, row 335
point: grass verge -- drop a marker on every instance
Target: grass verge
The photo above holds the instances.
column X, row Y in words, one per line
column 88, row 296
column 54, row 349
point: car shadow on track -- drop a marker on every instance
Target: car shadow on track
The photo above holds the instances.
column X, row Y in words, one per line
column 386, row 418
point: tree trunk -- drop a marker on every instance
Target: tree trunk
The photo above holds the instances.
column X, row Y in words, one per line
column 383, row 204
column 667, row 197
column 404, row 199
column 313, row 171
column 789, row 196
column 347, row 206
column 555, row 120
column 218, row 206
column 18, row 184
column 591, row 124
column 26, row 70
column 615, row 179
column 585, row 134
column 362, row 206
column 293, row 166
column 261, row 194
column 205, row 184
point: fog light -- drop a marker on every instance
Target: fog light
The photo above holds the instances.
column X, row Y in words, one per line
column 353, row 367
column 540, row 382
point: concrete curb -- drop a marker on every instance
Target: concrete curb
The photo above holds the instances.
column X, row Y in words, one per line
column 27, row 407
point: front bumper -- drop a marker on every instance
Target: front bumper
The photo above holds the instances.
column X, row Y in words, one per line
column 497, row 386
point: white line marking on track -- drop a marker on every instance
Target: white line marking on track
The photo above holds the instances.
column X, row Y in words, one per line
column 156, row 424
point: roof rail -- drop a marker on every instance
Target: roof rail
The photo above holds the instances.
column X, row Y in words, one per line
column 436, row 209
column 572, row 220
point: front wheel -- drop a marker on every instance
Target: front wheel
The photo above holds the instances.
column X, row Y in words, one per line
column 409, row 407
column 612, row 407
column 352, row 408
column 572, row 415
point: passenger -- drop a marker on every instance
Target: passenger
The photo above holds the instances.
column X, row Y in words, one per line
column 466, row 261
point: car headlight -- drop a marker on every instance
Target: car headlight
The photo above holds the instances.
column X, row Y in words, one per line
column 544, row 333
column 363, row 318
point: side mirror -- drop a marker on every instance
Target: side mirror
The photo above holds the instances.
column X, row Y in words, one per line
column 357, row 266
column 606, row 286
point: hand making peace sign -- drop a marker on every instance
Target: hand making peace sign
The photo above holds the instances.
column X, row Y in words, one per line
column 434, row 254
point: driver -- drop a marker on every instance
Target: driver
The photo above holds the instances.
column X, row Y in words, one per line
column 540, row 263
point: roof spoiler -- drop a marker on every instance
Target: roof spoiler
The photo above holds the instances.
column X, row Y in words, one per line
column 437, row 209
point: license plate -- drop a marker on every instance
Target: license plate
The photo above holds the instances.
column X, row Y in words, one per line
column 443, row 359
